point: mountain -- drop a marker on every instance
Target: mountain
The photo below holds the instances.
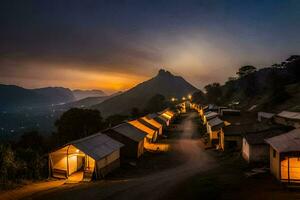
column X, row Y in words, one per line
column 13, row 97
column 164, row 83
column 81, row 94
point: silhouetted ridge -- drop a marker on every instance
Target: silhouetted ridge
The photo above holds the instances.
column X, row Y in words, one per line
column 164, row 83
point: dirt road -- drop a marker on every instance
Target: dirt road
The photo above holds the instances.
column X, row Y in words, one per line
column 152, row 186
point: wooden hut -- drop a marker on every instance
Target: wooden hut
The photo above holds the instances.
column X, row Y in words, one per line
column 285, row 156
column 93, row 156
column 132, row 137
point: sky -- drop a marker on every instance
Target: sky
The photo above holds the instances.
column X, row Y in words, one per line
column 114, row 44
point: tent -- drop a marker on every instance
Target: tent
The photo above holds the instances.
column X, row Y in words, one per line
column 151, row 134
column 132, row 137
column 285, row 156
column 153, row 122
column 95, row 155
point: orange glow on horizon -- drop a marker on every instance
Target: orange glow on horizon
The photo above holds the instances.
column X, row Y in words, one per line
column 56, row 75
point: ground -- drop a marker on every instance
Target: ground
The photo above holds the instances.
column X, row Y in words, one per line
column 187, row 171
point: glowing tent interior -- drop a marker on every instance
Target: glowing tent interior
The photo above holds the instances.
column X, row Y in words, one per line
column 285, row 156
column 93, row 156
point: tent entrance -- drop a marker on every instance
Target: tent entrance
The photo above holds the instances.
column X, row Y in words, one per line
column 70, row 162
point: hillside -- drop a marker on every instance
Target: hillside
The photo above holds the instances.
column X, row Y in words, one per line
column 271, row 89
column 164, row 83
column 13, row 97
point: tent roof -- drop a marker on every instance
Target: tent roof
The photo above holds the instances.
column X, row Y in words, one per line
column 152, row 115
column 142, row 127
column 153, row 122
column 210, row 115
column 287, row 142
column 163, row 117
column 289, row 115
column 243, row 129
column 130, row 131
column 97, row 146
column 259, row 137
column 229, row 110
column 215, row 122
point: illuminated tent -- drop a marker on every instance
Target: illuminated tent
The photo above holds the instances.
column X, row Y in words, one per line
column 285, row 156
column 151, row 134
column 214, row 127
column 152, row 122
column 132, row 137
column 167, row 114
column 159, row 119
column 96, row 155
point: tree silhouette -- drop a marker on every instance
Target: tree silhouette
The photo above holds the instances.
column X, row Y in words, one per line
column 245, row 70
column 77, row 123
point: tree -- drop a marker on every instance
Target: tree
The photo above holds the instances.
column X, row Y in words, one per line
column 213, row 92
column 135, row 113
column 78, row 123
column 8, row 165
column 33, row 140
column 114, row 120
column 245, row 70
column 156, row 103
column 199, row 97
column 293, row 57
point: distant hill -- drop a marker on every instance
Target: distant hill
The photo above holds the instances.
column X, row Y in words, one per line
column 85, row 103
column 13, row 97
column 164, row 83
column 81, row 94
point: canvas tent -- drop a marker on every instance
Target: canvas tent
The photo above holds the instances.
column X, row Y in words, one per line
column 285, row 156
column 151, row 133
column 214, row 127
column 132, row 137
column 159, row 119
column 254, row 148
column 153, row 123
column 95, row 155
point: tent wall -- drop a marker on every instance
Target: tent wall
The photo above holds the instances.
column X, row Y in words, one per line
column 59, row 161
column 132, row 149
column 275, row 163
column 73, row 167
column 108, row 164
